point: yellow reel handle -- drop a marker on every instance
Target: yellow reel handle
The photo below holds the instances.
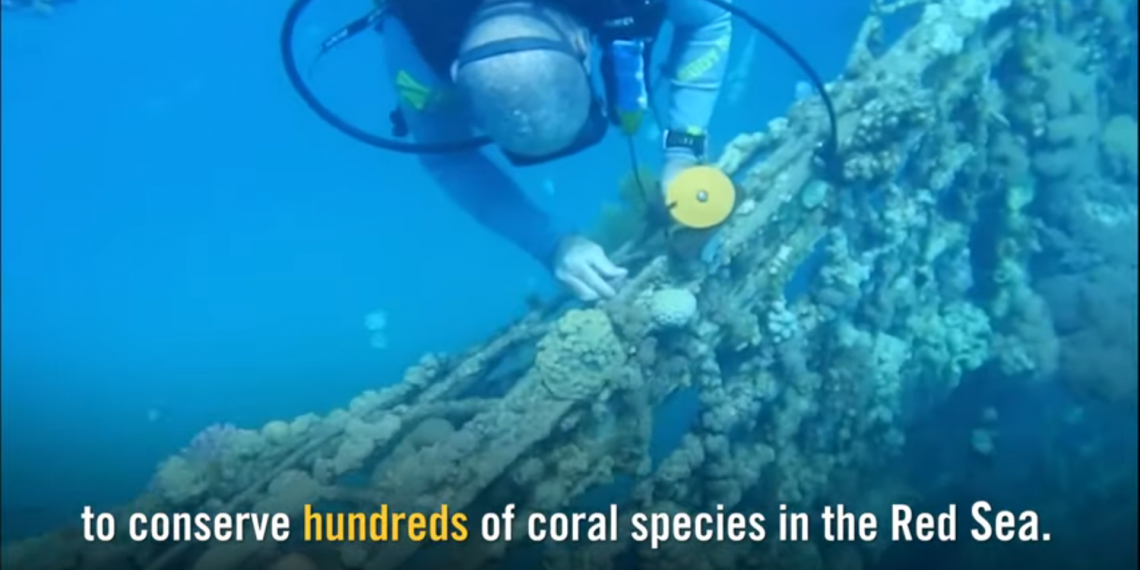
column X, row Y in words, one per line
column 700, row 197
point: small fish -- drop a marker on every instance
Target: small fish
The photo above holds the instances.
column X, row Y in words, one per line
column 534, row 302
column 533, row 299
column 548, row 187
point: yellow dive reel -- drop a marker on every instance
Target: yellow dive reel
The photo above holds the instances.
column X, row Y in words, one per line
column 700, row 197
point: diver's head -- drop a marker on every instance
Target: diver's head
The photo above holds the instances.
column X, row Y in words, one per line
column 522, row 69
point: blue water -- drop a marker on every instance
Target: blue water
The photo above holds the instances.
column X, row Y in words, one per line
column 185, row 243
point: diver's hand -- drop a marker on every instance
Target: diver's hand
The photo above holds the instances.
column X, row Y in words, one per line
column 676, row 160
column 582, row 266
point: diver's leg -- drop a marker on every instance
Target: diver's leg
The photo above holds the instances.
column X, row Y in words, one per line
column 431, row 108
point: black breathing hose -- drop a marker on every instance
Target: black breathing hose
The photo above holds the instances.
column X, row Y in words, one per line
column 288, row 30
column 829, row 149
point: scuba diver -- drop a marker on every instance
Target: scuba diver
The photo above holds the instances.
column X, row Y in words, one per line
column 520, row 73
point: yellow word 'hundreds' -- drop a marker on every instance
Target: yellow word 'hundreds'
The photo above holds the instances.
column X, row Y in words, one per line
column 383, row 526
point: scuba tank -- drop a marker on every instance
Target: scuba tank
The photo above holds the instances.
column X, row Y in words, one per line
column 627, row 32
column 629, row 92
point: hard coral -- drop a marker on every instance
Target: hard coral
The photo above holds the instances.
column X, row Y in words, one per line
column 580, row 355
column 672, row 307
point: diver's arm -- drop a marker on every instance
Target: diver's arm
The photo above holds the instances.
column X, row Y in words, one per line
column 698, row 60
column 470, row 178
column 496, row 201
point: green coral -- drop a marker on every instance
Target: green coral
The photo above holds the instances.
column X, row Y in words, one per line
column 628, row 218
